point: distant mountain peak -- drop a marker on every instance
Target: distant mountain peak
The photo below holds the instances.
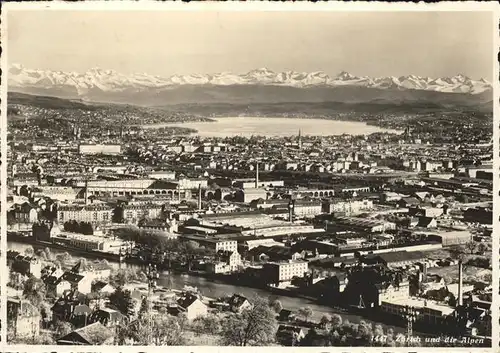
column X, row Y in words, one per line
column 17, row 66
column 110, row 82
column 344, row 75
column 262, row 69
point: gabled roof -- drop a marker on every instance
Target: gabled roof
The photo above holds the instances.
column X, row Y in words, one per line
column 99, row 285
column 187, row 300
column 424, row 221
column 82, row 309
column 410, row 200
column 108, row 314
column 72, row 277
column 284, row 313
column 396, row 256
column 237, row 300
column 289, row 328
column 93, row 334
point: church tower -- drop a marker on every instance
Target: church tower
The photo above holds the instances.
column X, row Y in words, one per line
column 257, row 174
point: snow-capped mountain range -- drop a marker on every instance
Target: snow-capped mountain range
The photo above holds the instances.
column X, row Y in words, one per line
column 110, row 81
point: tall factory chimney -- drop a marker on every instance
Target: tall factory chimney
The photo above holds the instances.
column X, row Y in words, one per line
column 460, row 281
column 199, row 196
column 291, row 205
column 86, row 194
column 424, row 271
column 256, row 175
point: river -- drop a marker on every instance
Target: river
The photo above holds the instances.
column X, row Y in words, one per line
column 213, row 289
column 277, row 127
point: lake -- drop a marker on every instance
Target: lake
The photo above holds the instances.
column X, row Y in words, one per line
column 265, row 126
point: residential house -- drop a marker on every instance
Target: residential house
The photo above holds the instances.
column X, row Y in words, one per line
column 64, row 307
column 406, row 202
column 227, row 261
column 286, row 315
column 81, row 283
column 427, row 222
column 103, row 288
column 133, row 213
column 80, row 316
column 23, row 317
column 289, row 335
column 108, row 317
column 158, row 224
column 25, row 213
column 238, row 303
column 25, row 265
column 93, row 213
column 277, row 272
column 56, row 286
column 189, row 305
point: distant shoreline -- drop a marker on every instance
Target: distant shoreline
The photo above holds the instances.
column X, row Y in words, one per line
column 275, row 126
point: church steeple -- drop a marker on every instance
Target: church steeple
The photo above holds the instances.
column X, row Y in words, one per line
column 300, row 139
column 257, row 174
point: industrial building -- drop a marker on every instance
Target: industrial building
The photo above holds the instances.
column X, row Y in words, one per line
column 99, row 149
column 277, row 272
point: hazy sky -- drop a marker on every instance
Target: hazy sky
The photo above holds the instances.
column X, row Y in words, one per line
column 166, row 43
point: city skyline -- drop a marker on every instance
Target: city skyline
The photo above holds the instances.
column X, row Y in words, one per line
column 228, row 41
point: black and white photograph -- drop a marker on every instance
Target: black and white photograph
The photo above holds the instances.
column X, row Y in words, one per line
column 229, row 175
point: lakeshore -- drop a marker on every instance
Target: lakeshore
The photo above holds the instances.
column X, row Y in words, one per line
column 274, row 126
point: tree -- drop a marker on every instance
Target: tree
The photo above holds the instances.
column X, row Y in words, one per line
column 146, row 307
column 365, row 333
column 141, row 276
column 188, row 250
column 40, row 340
column 15, row 280
column 46, row 313
column 122, row 301
column 378, row 330
column 471, row 246
column 123, row 276
column 482, row 248
column 325, row 320
column 86, row 228
column 209, row 324
column 336, row 321
column 34, row 291
column 29, row 251
column 62, row 328
column 277, row 306
column 305, row 312
column 11, row 218
column 64, row 259
column 253, row 327
column 153, row 329
column 42, row 254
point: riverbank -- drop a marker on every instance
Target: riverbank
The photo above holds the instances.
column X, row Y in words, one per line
column 216, row 286
column 38, row 244
column 212, row 287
